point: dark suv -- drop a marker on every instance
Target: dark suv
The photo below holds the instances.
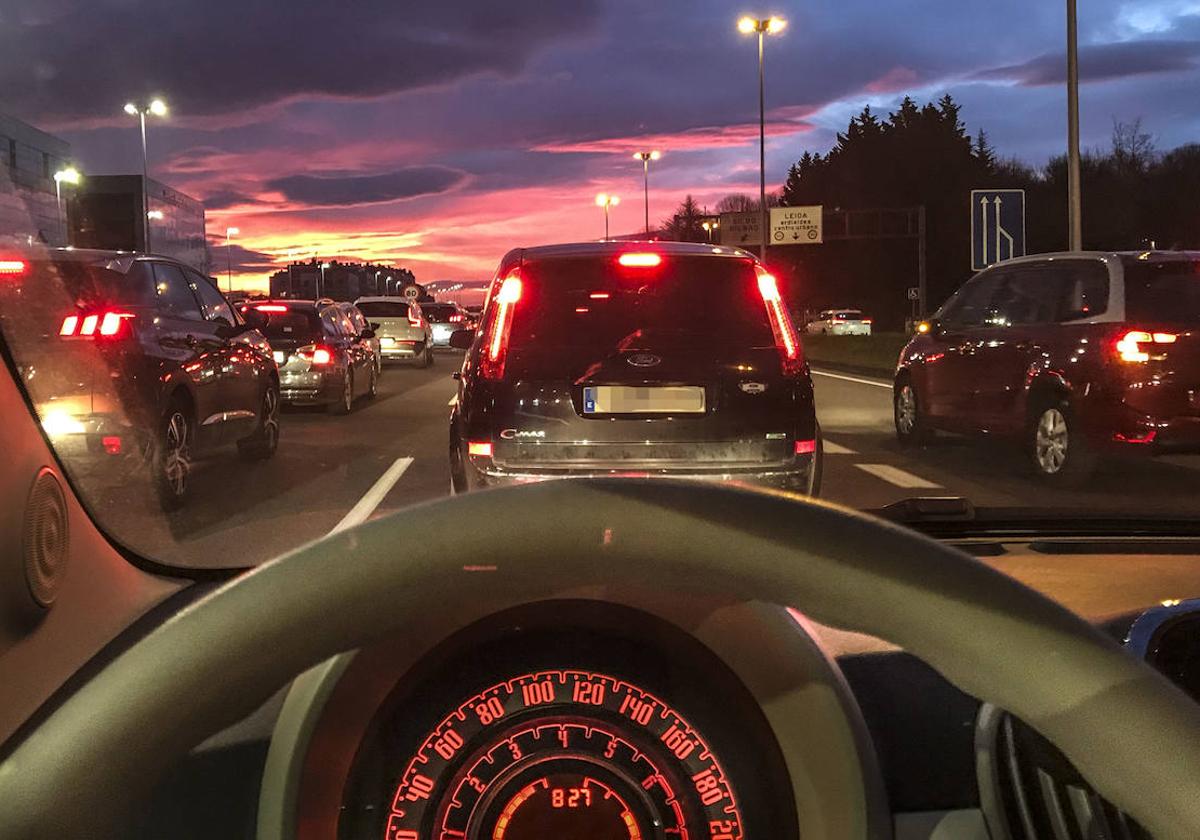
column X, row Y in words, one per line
column 1076, row 355
column 628, row 358
column 139, row 357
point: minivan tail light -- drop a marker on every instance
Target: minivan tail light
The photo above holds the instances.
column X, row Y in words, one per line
column 480, row 449
column 500, row 328
column 1129, row 346
column 635, row 259
column 13, row 266
column 270, row 307
column 781, row 322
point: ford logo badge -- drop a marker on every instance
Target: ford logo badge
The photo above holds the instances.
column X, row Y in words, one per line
column 643, row 360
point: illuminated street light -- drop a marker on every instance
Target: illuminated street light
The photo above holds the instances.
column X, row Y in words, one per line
column 709, row 227
column 645, row 158
column 762, row 26
column 155, row 215
column 606, row 201
column 158, row 108
column 230, row 232
column 324, row 266
column 70, row 175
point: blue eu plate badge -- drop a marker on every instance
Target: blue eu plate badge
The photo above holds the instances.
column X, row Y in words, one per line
column 589, row 400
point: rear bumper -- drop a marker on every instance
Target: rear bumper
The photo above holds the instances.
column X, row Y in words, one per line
column 1123, row 430
column 401, row 350
column 309, row 388
column 800, row 476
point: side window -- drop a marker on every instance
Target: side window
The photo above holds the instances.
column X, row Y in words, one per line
column 971, row 305
column 1028, row 295
column 1085, row 290
column 175, row 299
column 332, row 322
column 212, row 302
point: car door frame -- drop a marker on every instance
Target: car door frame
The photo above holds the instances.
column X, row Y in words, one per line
column 239, row 374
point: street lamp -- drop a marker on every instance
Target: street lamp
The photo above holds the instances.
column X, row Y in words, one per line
column 645, row 158
column 762, row 27
column 709, row 227
column 158, row 108
column 1074, row 202
column 387, row 285
column 324, row 266
column 70, row 175
column 606, row 201
column 230, row 232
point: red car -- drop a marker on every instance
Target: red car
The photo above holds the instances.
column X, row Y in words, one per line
column 1077, row 355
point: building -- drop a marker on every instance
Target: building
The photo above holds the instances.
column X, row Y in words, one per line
column 339, row 281
column 106, row 212
column 29, row 157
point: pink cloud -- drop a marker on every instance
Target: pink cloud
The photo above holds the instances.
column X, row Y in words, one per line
column 896, row 79
column 704, row 137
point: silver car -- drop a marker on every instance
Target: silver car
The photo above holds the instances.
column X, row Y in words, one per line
column 839, row 322
column 403, row 330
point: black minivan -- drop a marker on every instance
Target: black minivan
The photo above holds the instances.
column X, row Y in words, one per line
column 634, row 358
column 140, row 359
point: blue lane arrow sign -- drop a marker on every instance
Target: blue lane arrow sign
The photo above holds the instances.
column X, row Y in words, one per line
column 997, row 226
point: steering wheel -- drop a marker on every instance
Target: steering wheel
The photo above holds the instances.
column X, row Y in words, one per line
column 1131, row 732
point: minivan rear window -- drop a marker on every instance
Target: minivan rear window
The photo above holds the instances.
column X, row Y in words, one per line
column 595, row 302
column 1163, row 291
column 383, row 309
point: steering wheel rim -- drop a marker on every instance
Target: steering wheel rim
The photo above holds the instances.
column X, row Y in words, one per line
column 1130, row 731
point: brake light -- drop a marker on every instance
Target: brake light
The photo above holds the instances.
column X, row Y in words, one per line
column 867, row 321
column 415, row 321
column 110, row 324
column 781, row 321
column 806, row 447
column 13, row 266
column 455, row 319
column 482, row 449
column 1146, row 438
column 640, row 260
column 270, row 307
column 501, row 327
column 111, row 444
column 316, row 355
column 1129, row 347
column 599, row 295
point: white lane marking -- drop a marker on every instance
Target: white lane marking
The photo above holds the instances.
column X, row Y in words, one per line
column 878, row 383
column 898, row 477
column 453, row 400
column 832, row 448
column 367, row 504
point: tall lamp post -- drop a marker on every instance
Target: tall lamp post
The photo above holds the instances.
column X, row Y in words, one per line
column 230, row 232
column 321, row 285
column 762, row 27
column 606, row 201
column 159, row 109
column 1074, row 209
column 645, row 158
column 709, row 227
column 70, row 175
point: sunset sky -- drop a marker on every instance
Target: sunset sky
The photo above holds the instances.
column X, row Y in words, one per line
column 439, row 135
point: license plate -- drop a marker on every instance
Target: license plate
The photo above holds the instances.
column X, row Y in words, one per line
column 387, row 341
column 620, row 399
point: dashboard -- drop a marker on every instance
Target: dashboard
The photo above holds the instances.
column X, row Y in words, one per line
column 577, row 719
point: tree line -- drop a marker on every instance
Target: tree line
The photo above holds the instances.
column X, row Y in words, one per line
column 1133, row 197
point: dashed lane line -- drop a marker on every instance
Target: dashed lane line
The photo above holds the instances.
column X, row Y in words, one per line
column 878, row 383
column 371, row 499
column 832, row 448
column 898, row 477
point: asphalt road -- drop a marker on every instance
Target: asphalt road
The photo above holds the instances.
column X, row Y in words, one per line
column 389, row 453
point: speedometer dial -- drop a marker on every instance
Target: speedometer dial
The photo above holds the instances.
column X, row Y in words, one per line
column 563, row 754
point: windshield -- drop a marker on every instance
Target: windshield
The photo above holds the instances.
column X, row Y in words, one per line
column 476, row 247
column 589, row 303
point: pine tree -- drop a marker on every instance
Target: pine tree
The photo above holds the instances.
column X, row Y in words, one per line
column 984, row 152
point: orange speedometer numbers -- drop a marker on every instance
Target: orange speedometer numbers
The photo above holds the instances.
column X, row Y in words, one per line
column 564, row 754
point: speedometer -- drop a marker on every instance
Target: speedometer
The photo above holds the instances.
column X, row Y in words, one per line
column 563, row 754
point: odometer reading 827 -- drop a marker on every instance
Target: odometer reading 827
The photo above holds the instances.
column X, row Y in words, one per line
column 569, row 755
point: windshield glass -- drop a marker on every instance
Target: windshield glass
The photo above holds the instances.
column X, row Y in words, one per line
column 476, row 247
column 585, row 302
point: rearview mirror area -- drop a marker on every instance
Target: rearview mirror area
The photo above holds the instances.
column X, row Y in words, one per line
column 462, row 339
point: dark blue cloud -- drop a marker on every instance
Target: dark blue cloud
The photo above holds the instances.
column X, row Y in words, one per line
column 1102, row 62
column 349, row 190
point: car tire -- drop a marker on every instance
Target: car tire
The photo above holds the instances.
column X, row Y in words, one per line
column 427, row 361
column 373, row 385
column 911, row 429
column 345, row 403
column 1057, row 452
column 262, row 444
column 170, row 461
column 818, row 466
